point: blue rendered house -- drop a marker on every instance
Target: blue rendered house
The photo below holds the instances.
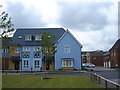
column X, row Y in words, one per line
column 68, row 55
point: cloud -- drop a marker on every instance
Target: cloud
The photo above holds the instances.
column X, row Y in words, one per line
column 94, row 24
column 23, row 16
column 84, row 16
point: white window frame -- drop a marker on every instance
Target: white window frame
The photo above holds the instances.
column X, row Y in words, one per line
column 67, row 62
column 26, row 63
column 28, row 37
column 17, row 50
column 5, row 50
column 38, row 64
column 26, row 49
column 66, row 49
column 38, row 37
column 36, row 49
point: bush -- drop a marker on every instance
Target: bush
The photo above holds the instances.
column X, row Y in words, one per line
column 84, row 69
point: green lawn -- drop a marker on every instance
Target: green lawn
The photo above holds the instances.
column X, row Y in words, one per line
column 57, row 81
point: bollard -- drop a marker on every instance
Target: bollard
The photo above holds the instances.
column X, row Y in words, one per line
column 5, row 72
column 106, row 84
column 99, row 80
column 118, row 88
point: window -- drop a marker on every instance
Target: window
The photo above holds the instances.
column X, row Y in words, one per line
column 25, row 64
column 38, row 38
column 114, row 53
column 94, row 58
column 26, row 49
column 20, row 37
column 37, row 48
column 67, row 63
column 26, row 52
column 36, row 64
column 67, row 49
column 5, row 50
column 17, row 50
column 37, row 52
column 28, row 38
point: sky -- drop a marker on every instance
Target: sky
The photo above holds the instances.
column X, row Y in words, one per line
column 94, row 23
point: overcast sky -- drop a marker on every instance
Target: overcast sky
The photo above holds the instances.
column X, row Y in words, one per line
column 94, row 24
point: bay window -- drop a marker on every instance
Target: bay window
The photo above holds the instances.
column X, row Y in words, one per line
column 67, row 62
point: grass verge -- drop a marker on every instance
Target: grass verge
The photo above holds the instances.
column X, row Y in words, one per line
column 56, row 81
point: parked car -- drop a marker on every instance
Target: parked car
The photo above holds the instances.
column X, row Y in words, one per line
column 84, row 64
column 89, row 65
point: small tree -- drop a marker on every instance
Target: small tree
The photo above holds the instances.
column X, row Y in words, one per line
column 48, row 46
column 6, row 27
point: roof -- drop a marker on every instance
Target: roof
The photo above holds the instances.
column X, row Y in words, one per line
column 57, row 32
column 72, row 37
column 107, row 53
column 97, row 53
column 116, row 46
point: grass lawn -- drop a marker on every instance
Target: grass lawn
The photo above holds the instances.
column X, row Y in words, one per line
column 57, row 81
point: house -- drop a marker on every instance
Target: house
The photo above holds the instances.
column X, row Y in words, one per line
column 112, row 57
column 106, row 60
column 115, row 54
column 94, row 57
column 25, row 50
column 86, row 56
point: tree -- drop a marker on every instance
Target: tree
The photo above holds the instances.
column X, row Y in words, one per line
column 48, row 46
column 6, row 27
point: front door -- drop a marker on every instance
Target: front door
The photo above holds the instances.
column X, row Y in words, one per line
column 16, row 65
column 47, row 66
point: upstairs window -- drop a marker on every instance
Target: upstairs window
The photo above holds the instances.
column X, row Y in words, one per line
column 26, row 49
column 37, row 52
column 17, row 50
column 5, row 50
column 26, row 52
column 28, row 38
column 36, row 48
column 67, row 49
column 38, row 37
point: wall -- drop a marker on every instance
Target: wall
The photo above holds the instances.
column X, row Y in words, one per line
column 98, row 61
column 12, row 51
column 11, row 65
column 75, row 52
column 115, row 57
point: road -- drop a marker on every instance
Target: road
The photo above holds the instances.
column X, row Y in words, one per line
column 108, row 73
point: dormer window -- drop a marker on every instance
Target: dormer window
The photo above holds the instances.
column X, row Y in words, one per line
column 38, row 38
column 28, row 38
column 20, row 37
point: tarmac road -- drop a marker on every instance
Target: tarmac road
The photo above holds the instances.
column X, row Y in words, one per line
column 108, row 73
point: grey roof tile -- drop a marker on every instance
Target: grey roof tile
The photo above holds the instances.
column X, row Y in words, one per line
column 57, row 32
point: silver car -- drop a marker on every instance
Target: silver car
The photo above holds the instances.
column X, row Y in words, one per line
column 88, row 65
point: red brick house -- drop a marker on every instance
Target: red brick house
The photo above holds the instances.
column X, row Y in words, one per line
column 115, row 54
column 94, row 57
